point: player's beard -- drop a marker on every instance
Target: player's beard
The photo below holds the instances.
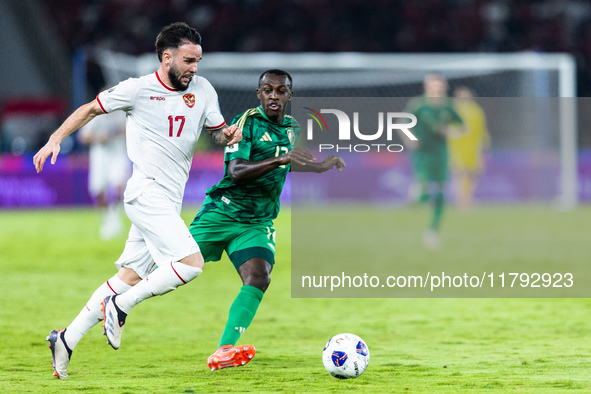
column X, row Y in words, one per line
column 174, row 76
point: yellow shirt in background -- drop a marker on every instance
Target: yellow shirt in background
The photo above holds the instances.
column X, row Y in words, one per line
column 465, row 150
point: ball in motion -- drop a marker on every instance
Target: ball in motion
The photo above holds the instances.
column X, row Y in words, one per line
column 345, row 356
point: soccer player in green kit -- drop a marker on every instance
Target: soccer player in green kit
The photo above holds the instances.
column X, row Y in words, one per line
column 435, row 120
column 237, row 214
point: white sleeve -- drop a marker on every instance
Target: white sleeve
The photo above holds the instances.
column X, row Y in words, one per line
column 213, row 116
column 119, row 97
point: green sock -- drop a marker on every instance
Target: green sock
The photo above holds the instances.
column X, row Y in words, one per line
column 437, row 211
column 241, row 314
column 424, row 197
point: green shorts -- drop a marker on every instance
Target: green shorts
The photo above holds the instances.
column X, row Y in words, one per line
column 429, row 167
column 216, row 232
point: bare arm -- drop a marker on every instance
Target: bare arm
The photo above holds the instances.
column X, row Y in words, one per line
column 79, row 118
column 226, row 135
column 244, row 171
column 325, row 165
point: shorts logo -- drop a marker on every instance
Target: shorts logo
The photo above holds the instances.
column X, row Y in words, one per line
column 189, row 100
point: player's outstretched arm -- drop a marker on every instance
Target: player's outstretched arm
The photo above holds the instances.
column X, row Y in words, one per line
column 226, row 135
column 244, row 171
column 79, row 118
column 325, row 165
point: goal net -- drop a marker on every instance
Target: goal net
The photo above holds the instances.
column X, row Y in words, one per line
column 528, row 99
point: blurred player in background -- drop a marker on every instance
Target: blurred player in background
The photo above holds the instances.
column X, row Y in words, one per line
column 166, row 112
column 465, row 150
column 237, row 214
column 436, row 118
column 109, row 168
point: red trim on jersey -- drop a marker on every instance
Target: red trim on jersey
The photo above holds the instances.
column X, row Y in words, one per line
column 177, row 274
column 216, row 127
column 163, row 84
column 101, row 104
column 111, row 288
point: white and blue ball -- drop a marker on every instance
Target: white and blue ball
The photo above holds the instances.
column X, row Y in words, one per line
column 345, row 356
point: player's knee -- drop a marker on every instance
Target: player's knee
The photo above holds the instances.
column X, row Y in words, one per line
column 256, row 273
column 194, row 260
column 128, row 276
column 261, row 281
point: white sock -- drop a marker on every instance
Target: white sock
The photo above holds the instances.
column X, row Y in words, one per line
column 164, row 279
column 91, row 314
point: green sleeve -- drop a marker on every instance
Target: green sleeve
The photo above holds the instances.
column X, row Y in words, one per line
column 455, row 117
column 240, row 150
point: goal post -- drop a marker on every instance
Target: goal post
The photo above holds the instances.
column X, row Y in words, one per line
column 524, row 74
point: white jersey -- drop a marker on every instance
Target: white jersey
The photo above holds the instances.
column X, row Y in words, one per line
column 162, row 129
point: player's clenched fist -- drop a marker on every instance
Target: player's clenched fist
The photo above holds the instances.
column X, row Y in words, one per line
column 233, row 134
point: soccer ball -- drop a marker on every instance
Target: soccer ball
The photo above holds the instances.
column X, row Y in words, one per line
column 345, row 356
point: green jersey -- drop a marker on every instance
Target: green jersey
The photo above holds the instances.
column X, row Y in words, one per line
column 256, row 201
column 433, row 115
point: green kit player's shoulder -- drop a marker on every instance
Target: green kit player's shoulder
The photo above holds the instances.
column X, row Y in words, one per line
column 245, row 117
column 414, row 104
column 290, row 120
column 245, row 120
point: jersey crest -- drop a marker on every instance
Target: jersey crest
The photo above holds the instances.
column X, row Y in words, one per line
column 291, row 136
column 189, row 99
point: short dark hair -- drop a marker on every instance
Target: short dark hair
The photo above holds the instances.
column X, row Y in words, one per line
column 276, row 71
column 175, row 35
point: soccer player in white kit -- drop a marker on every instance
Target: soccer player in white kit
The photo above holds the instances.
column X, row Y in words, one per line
column 166, row 112
column 108, row 168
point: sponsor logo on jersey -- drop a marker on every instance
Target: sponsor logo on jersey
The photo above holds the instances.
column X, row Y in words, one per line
column 157, row 98
column 189, row 100
column 266, row 137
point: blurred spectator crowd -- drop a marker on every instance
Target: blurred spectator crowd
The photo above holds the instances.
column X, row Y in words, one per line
column 130, row 26
column 331, row 25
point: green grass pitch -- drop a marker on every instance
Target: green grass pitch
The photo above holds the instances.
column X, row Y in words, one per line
column 51, row 262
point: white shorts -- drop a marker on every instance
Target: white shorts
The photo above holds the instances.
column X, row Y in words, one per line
column 108, row 168
column 158, row 235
